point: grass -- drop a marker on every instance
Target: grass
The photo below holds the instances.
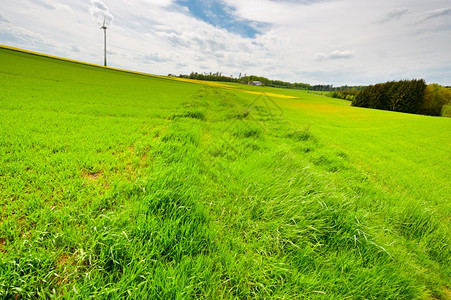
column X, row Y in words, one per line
column 118, row 185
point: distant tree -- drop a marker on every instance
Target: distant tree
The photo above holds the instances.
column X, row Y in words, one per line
column 435, row 98
column 218, row 76
column 404, row 96
column 345, row 95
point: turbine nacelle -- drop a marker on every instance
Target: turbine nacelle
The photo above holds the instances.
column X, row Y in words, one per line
column 103, row 26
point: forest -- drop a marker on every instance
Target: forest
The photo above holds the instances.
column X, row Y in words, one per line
column 409, row 96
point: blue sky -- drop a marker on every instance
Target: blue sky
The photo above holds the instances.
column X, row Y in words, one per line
column 219, row 14
column 315, row 41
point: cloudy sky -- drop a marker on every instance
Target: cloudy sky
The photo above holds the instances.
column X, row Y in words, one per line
column 314, row 41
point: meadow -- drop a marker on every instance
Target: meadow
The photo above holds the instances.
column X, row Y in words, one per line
column 116, row 185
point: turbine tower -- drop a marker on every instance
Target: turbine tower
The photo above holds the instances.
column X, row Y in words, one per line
column 104, row 48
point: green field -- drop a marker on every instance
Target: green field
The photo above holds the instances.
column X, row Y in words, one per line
column 116, row 185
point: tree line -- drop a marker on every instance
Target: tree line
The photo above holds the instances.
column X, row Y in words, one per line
column 218, row 76
column 410, row 96
column 343, row 94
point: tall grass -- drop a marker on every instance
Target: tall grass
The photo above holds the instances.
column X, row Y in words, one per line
column 109, row 192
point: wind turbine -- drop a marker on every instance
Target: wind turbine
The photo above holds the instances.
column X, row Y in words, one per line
column 104, row 48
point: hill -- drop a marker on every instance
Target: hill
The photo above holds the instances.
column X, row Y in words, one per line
column 116, row 184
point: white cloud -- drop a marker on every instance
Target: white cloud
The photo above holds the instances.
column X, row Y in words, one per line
column 3, row 19
column 393, row 14
column 100, row 12
column 63, row 8
column 159, row 2
column 337, row 54
column 437, row 13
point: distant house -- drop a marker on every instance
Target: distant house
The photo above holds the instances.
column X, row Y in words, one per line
column 255, row 82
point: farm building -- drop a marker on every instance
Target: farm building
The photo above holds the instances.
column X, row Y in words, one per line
column 255, row 83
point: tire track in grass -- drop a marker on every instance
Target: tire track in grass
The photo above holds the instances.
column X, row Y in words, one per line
column 277, row 216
